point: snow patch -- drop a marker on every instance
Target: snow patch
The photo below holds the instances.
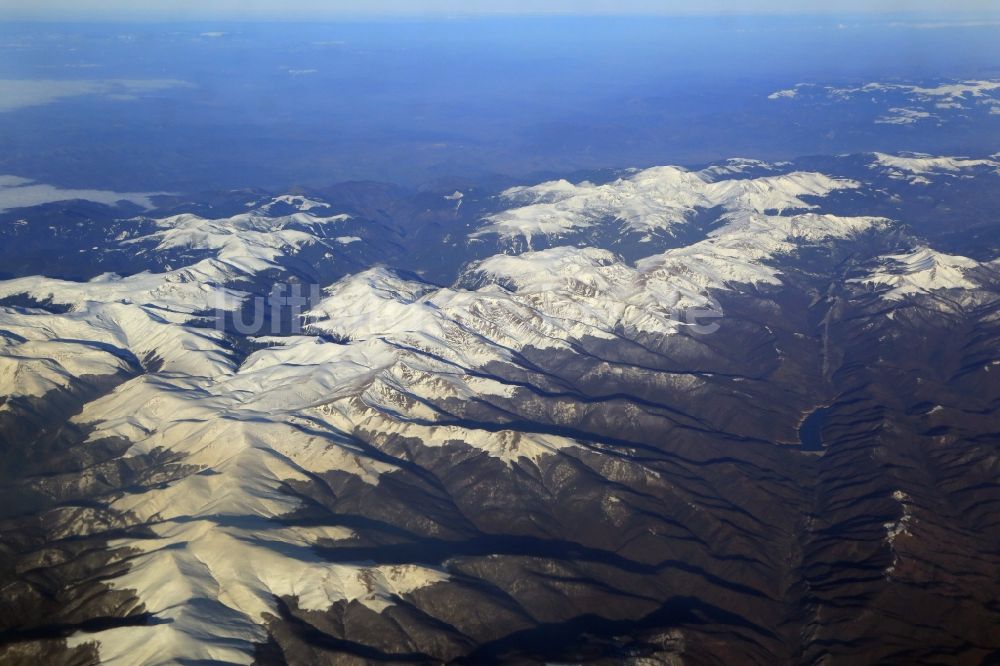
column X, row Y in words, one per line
column 898, row 528
column 790, row 93
column 903, row 116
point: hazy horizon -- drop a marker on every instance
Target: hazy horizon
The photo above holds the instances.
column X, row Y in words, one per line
column 97, row 10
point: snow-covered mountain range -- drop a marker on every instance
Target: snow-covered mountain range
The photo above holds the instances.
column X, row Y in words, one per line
column 558, row 422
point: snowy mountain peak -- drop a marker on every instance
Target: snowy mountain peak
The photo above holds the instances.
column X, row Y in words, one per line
column 923, row 270
column 658, row 198
column 545, row 269
column 923, row 164
column 294, row 201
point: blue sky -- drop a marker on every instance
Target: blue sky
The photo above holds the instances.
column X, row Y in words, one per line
column 242, row 9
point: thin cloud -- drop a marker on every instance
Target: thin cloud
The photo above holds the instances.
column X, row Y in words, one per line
column 20, row 93
column 17, row 192
column 301, row 9
column 944, row 25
